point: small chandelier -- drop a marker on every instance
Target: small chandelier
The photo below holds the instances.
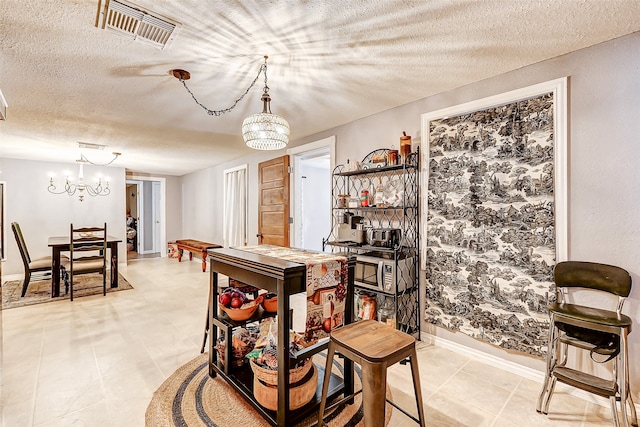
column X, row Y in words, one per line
column 261, row 131
column 81, row 187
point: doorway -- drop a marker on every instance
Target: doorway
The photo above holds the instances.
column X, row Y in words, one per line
column 311, row 207
column 133, row 196
column 146, row 230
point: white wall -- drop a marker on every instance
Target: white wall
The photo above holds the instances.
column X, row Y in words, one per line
column 603, row 148
column 42, row 214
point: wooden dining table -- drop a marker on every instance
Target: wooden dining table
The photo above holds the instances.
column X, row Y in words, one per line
column 59, row 244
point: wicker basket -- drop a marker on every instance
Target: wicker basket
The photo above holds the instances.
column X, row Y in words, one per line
column 270, row 376
column 300, row 393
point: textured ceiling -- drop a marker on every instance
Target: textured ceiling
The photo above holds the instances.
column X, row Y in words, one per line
column 330, row 62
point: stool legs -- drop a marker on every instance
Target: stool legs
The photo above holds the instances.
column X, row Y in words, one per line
column 325, row 383
column 416, row 386
column 374, row 389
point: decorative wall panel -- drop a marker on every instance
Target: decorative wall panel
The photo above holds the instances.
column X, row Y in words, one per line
column 493, row 175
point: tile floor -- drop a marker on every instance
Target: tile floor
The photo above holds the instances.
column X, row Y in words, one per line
column 97, row 361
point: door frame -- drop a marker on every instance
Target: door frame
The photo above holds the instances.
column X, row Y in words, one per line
column 297, row 154
column 161, row 215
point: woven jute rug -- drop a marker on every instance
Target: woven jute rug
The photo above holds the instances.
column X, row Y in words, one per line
column 190, row 398
column 39, row 291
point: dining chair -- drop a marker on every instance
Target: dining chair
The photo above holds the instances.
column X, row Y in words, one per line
column 39, row 266
column 88, row 254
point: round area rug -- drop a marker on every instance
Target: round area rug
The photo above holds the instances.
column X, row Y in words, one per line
column 189, row 398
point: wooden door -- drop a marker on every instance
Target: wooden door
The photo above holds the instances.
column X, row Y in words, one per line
column 273, row 202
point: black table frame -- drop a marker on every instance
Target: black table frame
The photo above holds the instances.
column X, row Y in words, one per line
column 59, row 244
column 285, row 278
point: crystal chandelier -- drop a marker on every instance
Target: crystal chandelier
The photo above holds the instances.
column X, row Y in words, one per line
column 261, row 131
column 81, row 186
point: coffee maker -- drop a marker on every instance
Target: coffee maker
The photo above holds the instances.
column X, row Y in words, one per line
column 352, row 229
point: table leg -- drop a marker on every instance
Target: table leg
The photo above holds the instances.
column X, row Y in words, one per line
column 114, row 264
column 55, row 272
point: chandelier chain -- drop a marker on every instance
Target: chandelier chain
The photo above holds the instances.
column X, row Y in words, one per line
column 217, row 113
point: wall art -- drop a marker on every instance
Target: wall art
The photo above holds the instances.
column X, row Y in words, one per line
column 494, row 193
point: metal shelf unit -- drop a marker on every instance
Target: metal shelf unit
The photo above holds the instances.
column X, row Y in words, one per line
column 401, row 189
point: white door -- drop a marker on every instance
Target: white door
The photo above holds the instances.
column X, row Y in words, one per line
column 157, row 216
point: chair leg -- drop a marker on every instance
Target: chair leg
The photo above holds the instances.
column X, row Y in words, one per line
column 27, row 279
column 614, row 411
column 634, row 415
column 547, row 386
column 71, row 287
column 325, row 383
column 625, row 393
column 64, row 275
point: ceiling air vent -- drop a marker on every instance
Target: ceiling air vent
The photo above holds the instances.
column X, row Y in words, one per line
column 138, row 24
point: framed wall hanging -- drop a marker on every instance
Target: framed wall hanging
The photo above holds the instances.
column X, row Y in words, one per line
column 494, row 194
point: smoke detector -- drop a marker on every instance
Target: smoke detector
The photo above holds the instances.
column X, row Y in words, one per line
column 136, row 23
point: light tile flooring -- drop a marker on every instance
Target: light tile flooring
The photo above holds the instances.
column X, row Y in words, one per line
column 97, row 361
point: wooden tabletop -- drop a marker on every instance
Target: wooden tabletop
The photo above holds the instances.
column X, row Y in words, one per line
column 65, row 240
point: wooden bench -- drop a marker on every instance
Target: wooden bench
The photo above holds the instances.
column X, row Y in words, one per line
column 195, row 246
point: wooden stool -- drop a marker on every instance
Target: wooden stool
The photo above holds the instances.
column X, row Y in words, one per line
column 374, row 346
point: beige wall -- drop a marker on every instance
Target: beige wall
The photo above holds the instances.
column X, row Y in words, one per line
column 603, row 148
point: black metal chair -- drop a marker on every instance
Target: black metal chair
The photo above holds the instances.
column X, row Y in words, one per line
column 88, row 254
column 600, row 332
column 39, row 266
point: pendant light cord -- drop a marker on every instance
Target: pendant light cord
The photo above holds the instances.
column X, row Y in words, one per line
column 263, row 68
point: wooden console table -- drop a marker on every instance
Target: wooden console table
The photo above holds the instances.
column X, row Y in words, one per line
column 285, row 278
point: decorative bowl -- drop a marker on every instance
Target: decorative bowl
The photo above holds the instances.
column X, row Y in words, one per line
column 270, row 305
column 242, row 313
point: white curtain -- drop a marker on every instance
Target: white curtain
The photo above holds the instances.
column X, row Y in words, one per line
column 235, row 207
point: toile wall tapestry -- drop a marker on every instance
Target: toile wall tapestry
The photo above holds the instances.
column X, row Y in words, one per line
column 492, row 220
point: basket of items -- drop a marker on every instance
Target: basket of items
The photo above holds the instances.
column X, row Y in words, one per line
column 270, row 376
column 242, row 342
column 303, row 375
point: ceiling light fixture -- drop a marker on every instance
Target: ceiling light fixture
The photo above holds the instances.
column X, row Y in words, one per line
column 81, row 187
column 261, row 131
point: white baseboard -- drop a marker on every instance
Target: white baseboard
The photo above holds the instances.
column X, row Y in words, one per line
column 10, row 277
column 515, row 368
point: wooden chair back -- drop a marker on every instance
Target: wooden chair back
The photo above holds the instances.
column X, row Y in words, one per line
column 22, row 246
column 88, row 253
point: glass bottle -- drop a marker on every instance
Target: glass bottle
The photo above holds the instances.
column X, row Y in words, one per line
column 387, row 314
column 378, row 199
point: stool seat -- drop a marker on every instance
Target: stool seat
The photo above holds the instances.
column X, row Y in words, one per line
column 374, row 341
column 375, row 347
